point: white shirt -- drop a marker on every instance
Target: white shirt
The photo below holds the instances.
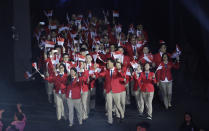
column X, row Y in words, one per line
column 111, row 70
column 88, row 66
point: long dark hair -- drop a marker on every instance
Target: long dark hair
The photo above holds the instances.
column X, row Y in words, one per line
column 69, row 79
column 65, row 70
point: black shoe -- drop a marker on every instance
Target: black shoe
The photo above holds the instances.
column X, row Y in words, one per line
column 118, row 120
column 121, row 120
column 109, row 124
column 141, row 115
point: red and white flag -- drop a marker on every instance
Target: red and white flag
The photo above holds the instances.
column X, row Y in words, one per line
column 27, row 75
column 48, row 13
column 134, row 64
column 128, row 73
column 148, row 58
column 62, row 28
column 161, row 41
column 131, row 29
column 81, row 58
column 34, row 65
column 60, row 41
column 49, row 44
column 95, row 56
column 115, row 13
column 159, row 68
column 52, row 27
column 117, row 55
column 177, row 52
column 140, row 44
column 118, row 28
column 73, row 34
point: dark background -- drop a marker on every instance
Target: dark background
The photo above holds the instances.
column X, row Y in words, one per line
column 170, row 20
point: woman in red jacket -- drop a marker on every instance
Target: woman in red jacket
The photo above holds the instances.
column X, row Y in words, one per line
column 85, row 99
column 137, row 85
column 59, row 82
column 164, row 78
column 147, row 89
column 73, row 95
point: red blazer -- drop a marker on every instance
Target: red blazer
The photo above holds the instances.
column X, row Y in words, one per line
column 126, row 62
column 59, row 82
column 102, row 56
column 110, row 82
column 143, row 60
column 130, row 51
column 50, row 67
column 137, row 82
column 120, row 83
column 158, row 58
column 75, row 89
column 147, row 84
column 84, row 81
column 166, row 72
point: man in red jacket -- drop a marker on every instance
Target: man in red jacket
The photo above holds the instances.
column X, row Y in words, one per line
column 120, row 95
column 59, row 82
column 132, row 49
column 111, row 89
column 84, row 77
column 158, row 57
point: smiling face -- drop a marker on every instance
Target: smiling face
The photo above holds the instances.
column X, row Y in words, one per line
column 110, row 64
column 65, row 58
column 139, row 68
column 163, row 48
column 118, row 65
column 165, row 57
column 72, row 73
column 112, row 48
column 133, row 41
column 147, row 67
column 145, row 50
column 61, row 69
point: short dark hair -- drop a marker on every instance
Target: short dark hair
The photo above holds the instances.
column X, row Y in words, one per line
column 19, row 116
column 111, row 60
column 82, row 49
column 65, row 54
column 74, row 69
column 164, row 55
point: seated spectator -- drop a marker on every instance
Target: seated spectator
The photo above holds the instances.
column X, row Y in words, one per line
column 19, row 120
column 188, row 124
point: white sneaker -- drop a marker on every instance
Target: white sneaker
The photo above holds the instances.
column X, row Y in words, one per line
column 169, row 105
column 70, row 125
column 149, row 118
column 80, row 123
